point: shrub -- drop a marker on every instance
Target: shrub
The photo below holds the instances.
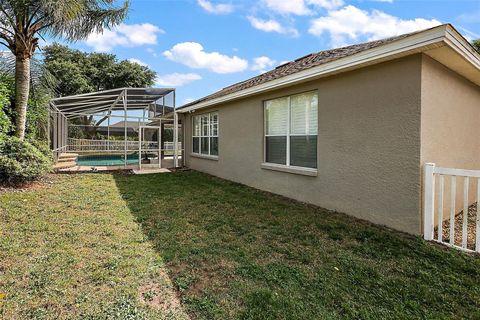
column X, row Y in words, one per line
column 5, row 123
column 43, row 147
column 20, row 161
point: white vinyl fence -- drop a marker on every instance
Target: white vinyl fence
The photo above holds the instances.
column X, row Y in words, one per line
column 89, row 145
column 449, row 214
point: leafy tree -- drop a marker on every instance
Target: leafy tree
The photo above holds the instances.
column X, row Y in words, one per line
column 131, row 74
column 6, row 93
column 37, row 115
column 41, row 91
column 79, row 72
column 23, row 22
column 476, row 44
column 69, row 78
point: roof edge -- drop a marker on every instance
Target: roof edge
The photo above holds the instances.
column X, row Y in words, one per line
column 462, row 46
column 444, row 34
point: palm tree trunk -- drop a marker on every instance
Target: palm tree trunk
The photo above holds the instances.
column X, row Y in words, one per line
column 22, row 89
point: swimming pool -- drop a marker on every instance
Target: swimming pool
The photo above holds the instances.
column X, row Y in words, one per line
column 106, row 160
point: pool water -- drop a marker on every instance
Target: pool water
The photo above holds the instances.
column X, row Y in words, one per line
column 106, row 160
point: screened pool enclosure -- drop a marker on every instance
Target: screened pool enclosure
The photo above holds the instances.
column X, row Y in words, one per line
column 125, row 127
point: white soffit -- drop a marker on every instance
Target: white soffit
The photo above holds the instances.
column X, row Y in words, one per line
column 458, row 55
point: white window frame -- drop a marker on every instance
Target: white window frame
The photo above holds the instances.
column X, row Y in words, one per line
column 271, row 165
column 209, row 135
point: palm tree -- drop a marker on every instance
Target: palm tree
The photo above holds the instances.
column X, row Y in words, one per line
column 24, row 22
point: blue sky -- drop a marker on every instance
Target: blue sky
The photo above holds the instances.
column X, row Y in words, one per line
column 201, row 46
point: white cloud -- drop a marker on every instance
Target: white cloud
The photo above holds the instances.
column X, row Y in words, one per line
column 221, row 8
column 104, row 42
column 288, row 8
column 271, row 26
column 176, row 79
column 329, row 4
column 124, row 35
column 351, row 24
column 138, row 61
column 266, row 25
column 140, row 34
column 262, row 64
column 296, row 7
column 193, row 55
column 300, row 7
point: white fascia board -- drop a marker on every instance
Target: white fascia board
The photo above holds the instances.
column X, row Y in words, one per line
column 410, row 44
column 458, row 43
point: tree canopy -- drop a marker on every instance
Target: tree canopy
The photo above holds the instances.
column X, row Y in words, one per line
column 476, row 44
column 37, row 115
column 79, row 72
column 6, row 95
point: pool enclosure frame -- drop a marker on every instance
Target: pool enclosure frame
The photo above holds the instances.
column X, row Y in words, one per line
column 155, row 108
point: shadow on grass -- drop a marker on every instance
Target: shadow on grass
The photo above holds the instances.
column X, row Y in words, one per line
column 235, row 252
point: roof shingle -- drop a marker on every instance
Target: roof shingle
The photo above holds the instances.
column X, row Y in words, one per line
column 306, row 62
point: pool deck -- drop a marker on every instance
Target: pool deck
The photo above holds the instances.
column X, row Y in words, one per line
column 166, row 164
column 135, row 169
column 150, row 171
column 83, row 169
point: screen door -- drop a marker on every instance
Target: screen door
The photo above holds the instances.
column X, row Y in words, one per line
column 150, row 147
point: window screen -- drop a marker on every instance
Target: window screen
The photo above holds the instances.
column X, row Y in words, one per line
column 291, row 126
column 205, row 134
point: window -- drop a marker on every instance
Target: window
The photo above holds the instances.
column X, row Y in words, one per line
column 291, row 126
column 205, row 134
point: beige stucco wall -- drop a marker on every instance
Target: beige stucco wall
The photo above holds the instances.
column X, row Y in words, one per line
column 450, row 128
column 368, row 145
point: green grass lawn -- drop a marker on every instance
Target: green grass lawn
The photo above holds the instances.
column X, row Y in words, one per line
column 185, row 244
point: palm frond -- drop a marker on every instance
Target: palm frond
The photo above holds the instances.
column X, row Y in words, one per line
column 76, row 19
column 25, row 20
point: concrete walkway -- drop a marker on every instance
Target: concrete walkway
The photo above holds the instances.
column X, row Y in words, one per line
column 149, row 171
column 86, row 169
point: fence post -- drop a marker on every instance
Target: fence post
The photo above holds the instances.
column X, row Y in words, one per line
column 429, row 194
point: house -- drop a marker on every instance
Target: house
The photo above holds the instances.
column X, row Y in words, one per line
column 347, row 129
column 118, row 129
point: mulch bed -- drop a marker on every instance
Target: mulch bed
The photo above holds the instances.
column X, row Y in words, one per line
column 41, row 182
column 471, row 227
